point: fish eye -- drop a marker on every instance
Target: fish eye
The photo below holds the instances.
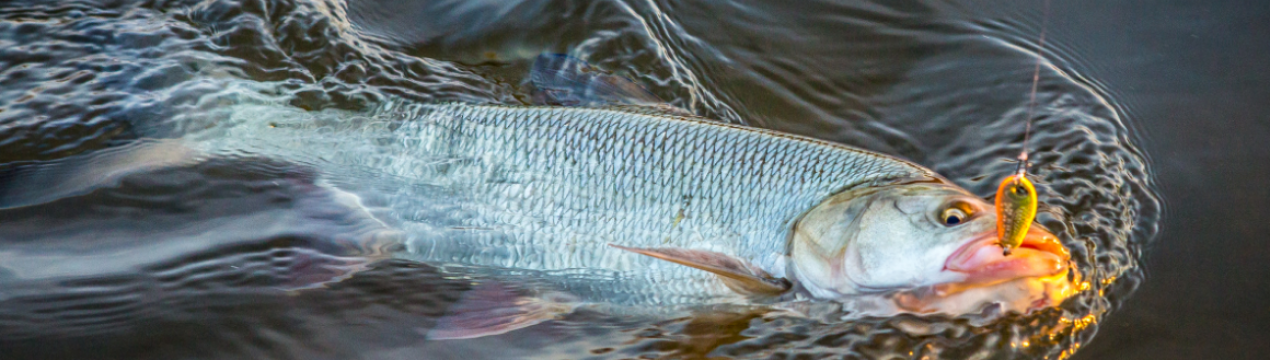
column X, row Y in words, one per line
column 954, row 215
column 1019, row 190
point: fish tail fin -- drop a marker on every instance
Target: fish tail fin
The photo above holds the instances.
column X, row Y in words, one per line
column 38, row 183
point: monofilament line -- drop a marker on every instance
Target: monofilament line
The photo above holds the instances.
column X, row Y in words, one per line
column 1036, row 79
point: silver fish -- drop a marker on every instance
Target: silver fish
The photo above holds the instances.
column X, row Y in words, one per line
column 550, row 188
column 639, row 204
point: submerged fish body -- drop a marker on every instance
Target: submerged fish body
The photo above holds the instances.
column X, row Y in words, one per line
column 590, row 177
column 636, row 204
column 548, row 188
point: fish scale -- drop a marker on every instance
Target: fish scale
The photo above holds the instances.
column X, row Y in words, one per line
column 585, row 171
column 547, row 188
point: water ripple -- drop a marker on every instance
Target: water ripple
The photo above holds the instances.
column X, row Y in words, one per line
column 236, row 256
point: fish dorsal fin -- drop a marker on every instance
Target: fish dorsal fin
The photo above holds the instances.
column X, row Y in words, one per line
column 739, row 275
column 653, row 109
column 564, row 80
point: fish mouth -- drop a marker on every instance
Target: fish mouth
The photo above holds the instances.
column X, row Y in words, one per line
column 983, row 263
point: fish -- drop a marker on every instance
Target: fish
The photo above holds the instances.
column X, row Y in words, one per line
column 615, row 197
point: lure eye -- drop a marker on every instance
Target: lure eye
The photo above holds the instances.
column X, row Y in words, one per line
column 1019, row 190
column 953, row 216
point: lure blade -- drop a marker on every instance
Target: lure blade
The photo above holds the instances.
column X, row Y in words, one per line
column 1016, row 209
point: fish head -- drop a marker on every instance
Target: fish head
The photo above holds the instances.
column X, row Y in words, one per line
column 916, row 236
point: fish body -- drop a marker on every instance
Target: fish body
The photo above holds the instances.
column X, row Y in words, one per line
column 548, row 188
column 643, row 204
column 592, row 177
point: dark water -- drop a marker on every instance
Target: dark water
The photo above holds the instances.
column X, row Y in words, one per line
column 1140, row 106
column 1193, row 75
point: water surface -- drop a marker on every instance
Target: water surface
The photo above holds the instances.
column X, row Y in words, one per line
column 198, row 257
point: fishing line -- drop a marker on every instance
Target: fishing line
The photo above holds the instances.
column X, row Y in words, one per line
column 1036, row 79
column 1016, row 201
column 1031, row 107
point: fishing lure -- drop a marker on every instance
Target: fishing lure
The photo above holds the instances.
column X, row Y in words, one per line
column 1016, row 209
column 1016, row 197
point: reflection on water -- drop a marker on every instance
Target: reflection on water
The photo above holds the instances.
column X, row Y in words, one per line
column 209, row 257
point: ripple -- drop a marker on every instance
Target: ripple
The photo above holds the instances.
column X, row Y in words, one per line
column 233, row 256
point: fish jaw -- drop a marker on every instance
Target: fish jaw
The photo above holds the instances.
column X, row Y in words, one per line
column 982, row 262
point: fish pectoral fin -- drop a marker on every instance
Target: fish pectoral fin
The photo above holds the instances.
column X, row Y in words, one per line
column 739, row 275
column 565, row 80
column 493, row 308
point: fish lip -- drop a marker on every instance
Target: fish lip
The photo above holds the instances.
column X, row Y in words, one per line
column 980, row 259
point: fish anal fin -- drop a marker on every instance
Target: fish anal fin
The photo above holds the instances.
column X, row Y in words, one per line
column 493, row 308
column 739, row 275
column 568, row 81
column 318, row 269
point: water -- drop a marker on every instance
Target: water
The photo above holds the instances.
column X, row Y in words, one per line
column 200, row 257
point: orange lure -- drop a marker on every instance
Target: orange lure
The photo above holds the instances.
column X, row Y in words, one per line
column 1016, row 209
